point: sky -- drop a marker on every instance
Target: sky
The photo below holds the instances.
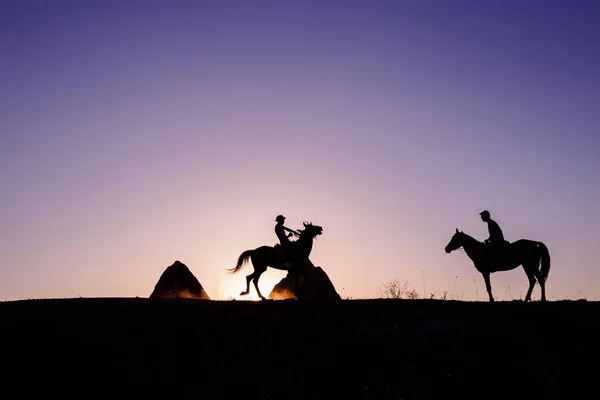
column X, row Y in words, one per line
column 137, row 133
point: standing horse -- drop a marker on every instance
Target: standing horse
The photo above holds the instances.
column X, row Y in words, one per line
column 268, row 256
column 527, row 253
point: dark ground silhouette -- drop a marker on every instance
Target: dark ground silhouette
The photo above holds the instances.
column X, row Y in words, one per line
column 365, row 349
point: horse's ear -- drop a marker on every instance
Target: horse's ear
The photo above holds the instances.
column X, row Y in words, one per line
column 456, row 230
column 304, row 223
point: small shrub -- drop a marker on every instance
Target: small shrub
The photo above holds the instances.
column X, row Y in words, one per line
column 398, row 289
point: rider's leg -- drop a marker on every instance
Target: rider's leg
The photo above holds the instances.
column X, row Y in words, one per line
column 288, row 263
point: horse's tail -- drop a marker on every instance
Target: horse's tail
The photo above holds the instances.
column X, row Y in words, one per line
column 545, row 268
column 241, row 261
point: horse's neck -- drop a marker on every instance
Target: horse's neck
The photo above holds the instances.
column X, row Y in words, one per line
column 305, row 243
column 472, row 247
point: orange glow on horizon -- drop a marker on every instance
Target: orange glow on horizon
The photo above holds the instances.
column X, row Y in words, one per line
column 231, row 288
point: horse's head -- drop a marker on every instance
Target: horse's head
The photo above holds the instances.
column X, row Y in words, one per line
column 456, row 241
column 311, row 230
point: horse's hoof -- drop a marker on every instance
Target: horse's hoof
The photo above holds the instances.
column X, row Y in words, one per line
column 243, row 293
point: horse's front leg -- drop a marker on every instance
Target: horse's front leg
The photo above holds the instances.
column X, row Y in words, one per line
column 488, row 285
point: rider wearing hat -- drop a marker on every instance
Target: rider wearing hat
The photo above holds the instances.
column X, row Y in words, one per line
column 284, row 240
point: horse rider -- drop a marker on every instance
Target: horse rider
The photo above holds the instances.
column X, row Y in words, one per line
column 284, row 240
column 496, row 238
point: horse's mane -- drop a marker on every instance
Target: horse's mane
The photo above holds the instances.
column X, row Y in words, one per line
column 469, row 236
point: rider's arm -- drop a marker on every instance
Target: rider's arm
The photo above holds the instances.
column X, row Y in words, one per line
column 290, row 230
column 490, row 232
column 489, row 239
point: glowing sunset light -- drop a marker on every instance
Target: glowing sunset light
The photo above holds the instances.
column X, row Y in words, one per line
column 229, row 289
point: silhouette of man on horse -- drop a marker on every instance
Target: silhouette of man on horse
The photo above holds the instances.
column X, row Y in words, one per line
column 284, row 245
column 298, row 254
column 495, row 242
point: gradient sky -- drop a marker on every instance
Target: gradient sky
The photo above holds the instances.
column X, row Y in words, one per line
column 137, row 133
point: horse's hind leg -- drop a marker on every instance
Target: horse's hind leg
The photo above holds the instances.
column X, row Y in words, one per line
column 248, row 279
column 531, row 278
column 304, row 275
column 542, row 283
column 255, row 281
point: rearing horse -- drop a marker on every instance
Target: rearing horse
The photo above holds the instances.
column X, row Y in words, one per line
column 268, row 256
column 527, row 253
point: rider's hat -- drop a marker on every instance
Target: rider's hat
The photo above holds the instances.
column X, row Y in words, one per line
column 485, row 213
column 280, row 218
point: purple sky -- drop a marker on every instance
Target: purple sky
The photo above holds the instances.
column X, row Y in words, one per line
column 137, row 133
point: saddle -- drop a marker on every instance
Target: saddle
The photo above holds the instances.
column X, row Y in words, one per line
column 498, row 249
column 285, row 254
column 281, row 253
